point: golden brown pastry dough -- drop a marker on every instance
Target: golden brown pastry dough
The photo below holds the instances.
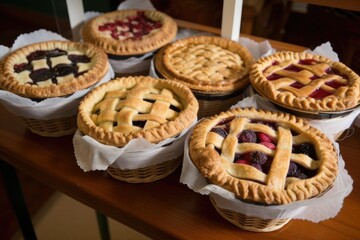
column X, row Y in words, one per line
column 135, row 107
column 231, row 161
column 304, row 81
column 52, row 69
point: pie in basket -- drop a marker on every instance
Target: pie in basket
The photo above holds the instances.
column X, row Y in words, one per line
column 137, row 107
column 130, row 32
column 52, row 69
column 205, row 63
column 304, row 81
column 263, row 157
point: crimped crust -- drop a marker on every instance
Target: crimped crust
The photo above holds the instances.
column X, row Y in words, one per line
column 205, row 63
column 132, row 97
column 147, row 43
column 342, row 98
column 273, row 187
column 11, row 81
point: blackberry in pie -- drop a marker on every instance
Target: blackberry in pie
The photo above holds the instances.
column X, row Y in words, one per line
column 280, row 159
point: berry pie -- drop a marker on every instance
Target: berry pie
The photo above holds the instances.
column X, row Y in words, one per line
column 304, row 81
column 205, row 63
column 134, row 107
column 262, row 156
column 52, row 69
column 130, row 32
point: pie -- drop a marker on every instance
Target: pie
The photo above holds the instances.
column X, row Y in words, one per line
column 304, row 81
column 205, row 63
column 262, row 156
column 130, row 32
column 52, row 69
column 136, row 107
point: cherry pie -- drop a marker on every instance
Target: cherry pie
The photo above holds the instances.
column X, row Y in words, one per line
column 306, row 82
column 130, row 32
column 205, row 63
column 134, row 107
column 262, row 156
column 52, row 69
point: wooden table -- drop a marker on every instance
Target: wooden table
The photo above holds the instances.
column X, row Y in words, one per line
column 165, row 209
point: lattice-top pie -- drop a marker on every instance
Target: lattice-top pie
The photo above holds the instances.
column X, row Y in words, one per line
column 52, row 69
column 205, row 63
column 134, row 107
column 306, row 82
column 130, row 32
column 262, row 156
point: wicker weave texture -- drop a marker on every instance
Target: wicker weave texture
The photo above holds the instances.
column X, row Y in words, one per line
column 249, row 223
column 146, row 174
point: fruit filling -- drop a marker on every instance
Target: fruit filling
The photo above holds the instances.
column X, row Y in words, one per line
column 132, row 27
column 49, row 70
column 259, row 159
column 318, row 93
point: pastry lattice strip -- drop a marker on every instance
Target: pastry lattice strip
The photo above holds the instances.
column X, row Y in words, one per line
column 205, row 61
column 132, row 110
column 311, row 77
column 276, row 176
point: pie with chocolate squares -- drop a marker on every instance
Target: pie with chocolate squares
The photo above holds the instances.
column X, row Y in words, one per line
column 52, row 69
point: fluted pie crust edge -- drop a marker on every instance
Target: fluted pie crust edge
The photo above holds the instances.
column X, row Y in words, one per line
column 346, row 98
column 9, row 81
column 153, row 41
column 209, row 163
column 154, row 135
column 240, row 76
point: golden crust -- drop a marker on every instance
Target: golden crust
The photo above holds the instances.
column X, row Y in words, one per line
column 9, row 80
column 155, row 40
column 134, row 89
column 343, row 98
column 274, row 187
column 205, row 63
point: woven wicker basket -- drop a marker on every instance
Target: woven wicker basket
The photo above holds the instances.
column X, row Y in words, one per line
column 53, row 127
column 211, row 104
column 146, row 174
column 249, row 223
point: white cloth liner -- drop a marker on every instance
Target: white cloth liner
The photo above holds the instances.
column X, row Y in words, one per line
column 138, row 153
column 316, row 209
column 50, row 108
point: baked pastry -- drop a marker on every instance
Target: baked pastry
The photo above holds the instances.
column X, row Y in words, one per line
column 263, row 157
column 205, row 63
column 136, row 107
column 52, row 69
column 303, row 81
column 130, row 32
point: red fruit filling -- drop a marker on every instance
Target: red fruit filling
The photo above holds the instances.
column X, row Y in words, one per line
column 260, row 160
column 132, row 27
column 318, row 93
